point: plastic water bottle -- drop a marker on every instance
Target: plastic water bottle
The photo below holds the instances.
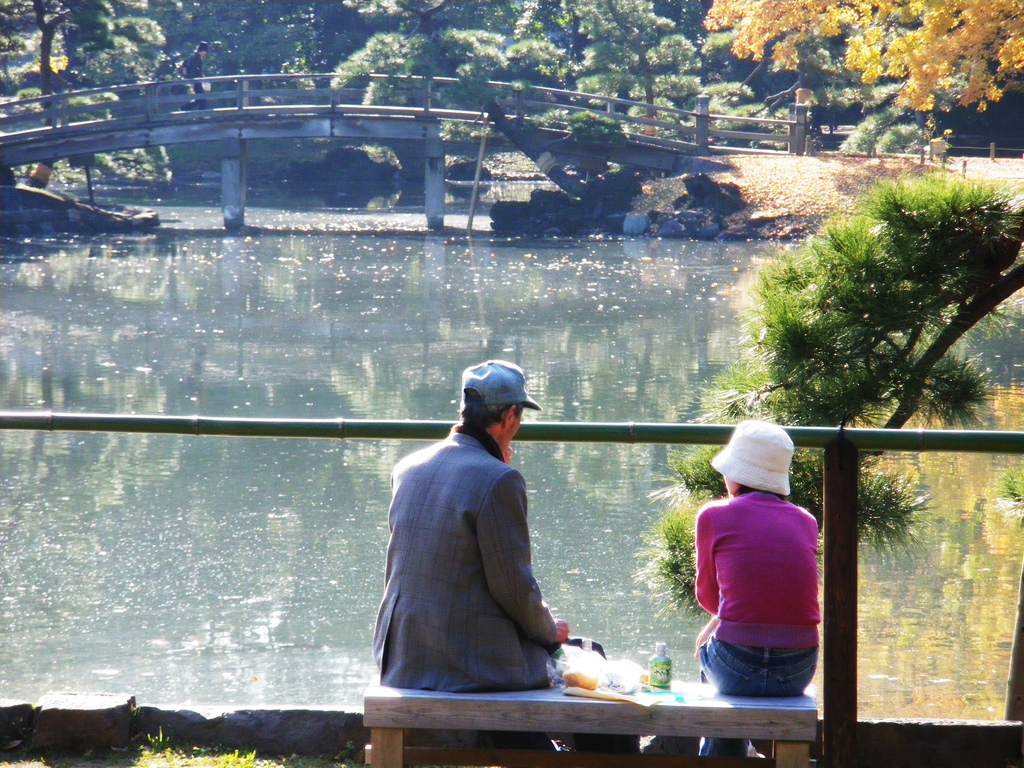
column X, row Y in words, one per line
column 659, row 668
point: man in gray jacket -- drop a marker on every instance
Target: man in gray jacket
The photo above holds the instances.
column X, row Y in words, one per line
column 462, row 610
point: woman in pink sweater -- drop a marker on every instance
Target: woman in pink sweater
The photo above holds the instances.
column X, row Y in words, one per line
column 757, row 575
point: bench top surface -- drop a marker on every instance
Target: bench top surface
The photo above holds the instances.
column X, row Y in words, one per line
column 693, row 710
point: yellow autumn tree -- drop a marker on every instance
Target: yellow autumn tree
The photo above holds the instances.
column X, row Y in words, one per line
column 972, row 49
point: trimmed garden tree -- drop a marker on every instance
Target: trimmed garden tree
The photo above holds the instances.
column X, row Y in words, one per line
column 636, row 53
column 431, row 41
column 860, row 326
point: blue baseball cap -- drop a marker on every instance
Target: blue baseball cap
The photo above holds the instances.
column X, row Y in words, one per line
column 497, row 384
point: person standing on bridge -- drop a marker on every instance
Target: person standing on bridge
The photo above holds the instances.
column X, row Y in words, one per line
column 192, row 68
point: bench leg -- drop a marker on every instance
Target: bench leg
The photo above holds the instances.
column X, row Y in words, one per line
column 788, row 754
column 387, row 747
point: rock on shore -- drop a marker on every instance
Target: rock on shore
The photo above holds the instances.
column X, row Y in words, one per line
column 28, row 211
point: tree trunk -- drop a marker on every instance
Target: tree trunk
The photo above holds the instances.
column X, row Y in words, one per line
column 47, row 30
column 522, row 140
column 650, row 130
column 45, row 48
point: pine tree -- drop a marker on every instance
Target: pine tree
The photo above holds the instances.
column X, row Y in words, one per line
column 860, row 326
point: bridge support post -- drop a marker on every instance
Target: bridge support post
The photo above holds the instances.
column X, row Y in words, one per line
column 232, row 184
column 434, row 178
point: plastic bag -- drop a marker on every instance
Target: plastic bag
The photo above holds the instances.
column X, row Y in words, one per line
column 622, row 676
column 581, row 668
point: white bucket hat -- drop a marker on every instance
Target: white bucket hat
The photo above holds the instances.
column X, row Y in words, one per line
column 757, row 456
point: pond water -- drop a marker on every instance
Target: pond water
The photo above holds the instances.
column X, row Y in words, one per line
column 246, row 572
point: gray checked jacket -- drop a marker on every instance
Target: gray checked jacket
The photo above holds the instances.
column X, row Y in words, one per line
column 462, row 610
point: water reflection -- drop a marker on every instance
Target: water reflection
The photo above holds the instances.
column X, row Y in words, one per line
column 247, row 571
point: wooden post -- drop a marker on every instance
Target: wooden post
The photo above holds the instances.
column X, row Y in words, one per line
column 242, row 93
column 476, row 177
column 388, row 745
column 434, row 177
column 88, row 184
column 840, row 603
column 703, row 119
column 85, row 161
column 1015, row 681
column 798, row 130
column 233, row 184
column 53, row 114
column 992, row 151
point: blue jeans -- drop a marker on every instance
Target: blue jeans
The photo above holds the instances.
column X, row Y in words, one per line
column 739, row 670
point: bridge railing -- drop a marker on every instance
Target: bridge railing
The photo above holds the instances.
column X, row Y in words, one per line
column 657, row 125
column 174, row 100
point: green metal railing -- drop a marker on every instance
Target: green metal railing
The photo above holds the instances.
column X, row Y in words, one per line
column 841, row 447
column 916, row 440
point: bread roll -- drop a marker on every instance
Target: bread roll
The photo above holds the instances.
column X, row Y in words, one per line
column 576, row 678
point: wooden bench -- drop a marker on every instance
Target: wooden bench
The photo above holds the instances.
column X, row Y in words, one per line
column 697, row 710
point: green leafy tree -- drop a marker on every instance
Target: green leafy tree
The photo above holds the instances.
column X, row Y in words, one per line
column 130, row 53
column 862, row 322
column 635, row 53
column 538, row 62
column 13, row 26
column 36, row 24
column 97, row 42
column 552, row 23
column 261, row 36
column 860, row 326
column 429, row 44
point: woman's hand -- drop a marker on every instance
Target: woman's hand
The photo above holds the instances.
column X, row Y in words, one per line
column 705, row 634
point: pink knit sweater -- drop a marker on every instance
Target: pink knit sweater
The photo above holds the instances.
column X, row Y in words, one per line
column 757, row 570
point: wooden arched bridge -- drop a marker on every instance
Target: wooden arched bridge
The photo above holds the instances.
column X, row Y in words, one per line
column 237, row 109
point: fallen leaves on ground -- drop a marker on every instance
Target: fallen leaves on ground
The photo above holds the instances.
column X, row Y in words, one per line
column 810, row 188
column 804, row 191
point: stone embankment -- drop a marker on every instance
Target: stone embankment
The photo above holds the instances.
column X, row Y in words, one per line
column 701, row 211
column 72, row 721
column 743, row 197
column 85, row 722
column 26, row 211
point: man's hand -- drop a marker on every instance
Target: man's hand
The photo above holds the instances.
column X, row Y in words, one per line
column 561, row 630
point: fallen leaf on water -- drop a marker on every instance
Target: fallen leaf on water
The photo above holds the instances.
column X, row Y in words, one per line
column 12, row 744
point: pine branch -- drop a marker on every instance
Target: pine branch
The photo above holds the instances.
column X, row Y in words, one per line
column 776, row 99
column 970, row 315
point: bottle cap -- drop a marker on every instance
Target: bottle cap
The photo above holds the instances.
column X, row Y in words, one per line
column 661, row 649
